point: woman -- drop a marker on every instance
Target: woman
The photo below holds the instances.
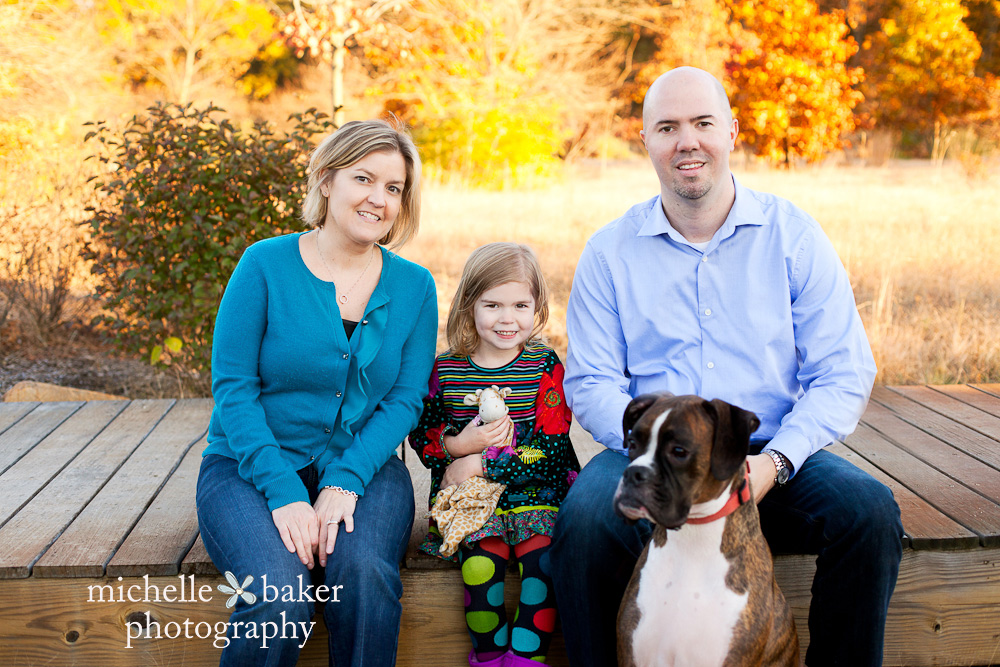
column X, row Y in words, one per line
column 323, row 345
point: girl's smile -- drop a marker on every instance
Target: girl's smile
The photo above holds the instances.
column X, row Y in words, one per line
column 505, row 318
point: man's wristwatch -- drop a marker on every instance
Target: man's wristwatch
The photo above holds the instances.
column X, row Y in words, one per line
column 782, row 469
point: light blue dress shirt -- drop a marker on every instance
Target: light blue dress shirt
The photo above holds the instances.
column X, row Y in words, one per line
column 763, row 318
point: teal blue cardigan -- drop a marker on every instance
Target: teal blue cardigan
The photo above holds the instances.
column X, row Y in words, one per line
column 291, row 390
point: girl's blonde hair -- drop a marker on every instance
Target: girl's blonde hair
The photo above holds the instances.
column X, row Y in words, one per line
column 352, row 142
column 487, row 267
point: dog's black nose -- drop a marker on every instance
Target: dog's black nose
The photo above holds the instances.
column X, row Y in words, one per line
column 637, row 475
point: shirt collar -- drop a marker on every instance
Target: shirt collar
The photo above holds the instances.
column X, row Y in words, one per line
column 745, row 211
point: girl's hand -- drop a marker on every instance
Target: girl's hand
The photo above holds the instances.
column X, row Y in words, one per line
column 298, row 526
column 462, row 469
column 476, row 439
column 332, row 507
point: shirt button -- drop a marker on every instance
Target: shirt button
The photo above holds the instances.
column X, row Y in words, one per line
column 364, row 321
column 704, row 258
column 711, row 365
column 339, row 394
column 708, row 311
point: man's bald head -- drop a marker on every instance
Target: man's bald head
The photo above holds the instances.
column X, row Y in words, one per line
column 687, row 75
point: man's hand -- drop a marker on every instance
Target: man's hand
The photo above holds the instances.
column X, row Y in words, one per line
column 475, row 439
column 299, row 529
column 762, row 473
column 462, row 469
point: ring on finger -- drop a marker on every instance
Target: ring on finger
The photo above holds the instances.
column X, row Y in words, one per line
column 332, row 522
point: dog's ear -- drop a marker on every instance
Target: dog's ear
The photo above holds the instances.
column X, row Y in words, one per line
column 733, row 427
column 637, row 406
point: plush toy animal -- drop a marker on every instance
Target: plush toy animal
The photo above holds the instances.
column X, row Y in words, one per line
column 462, row 510
column 491, row 408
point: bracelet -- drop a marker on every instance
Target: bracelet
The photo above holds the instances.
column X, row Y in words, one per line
column 344, row 491
column 448, row 458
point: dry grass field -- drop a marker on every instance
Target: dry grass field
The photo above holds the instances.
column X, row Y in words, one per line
column 921, row 245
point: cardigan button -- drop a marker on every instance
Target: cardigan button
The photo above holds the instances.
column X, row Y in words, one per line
column 364, row 321
column 339, row 394
column 346, row 356
column 327, row 431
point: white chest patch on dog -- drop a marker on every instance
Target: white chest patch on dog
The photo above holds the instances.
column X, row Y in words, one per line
column 686, row 613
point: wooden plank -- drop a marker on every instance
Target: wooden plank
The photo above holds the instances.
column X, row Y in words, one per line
column 976, row 409
column 938, row 417
column 955, row 500
column 87, row 545
column 584, row 444
column 925, row 526
column 25, row 537
column 197, row 560
column 11, row 413
column 167, row 528
column 993, row 389
column 34, row 470
column 945, row 611
column 32, row 429
column 939, row 445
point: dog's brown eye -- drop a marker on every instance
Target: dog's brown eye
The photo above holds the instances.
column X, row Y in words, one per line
column 679, row 452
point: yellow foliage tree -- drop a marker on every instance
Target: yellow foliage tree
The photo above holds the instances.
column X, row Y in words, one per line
column 494, row 88
column 185, row 47
column 791, row 87
column 921, row 71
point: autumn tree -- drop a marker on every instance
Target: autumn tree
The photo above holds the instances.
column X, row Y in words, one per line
column 790, row 85
column 496, row 90
column 185, row 47
column 327, row 29
column 693, row 33
column 922, row 71
column 983, row 20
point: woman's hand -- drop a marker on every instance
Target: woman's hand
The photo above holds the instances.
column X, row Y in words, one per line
column 475, row 439
column 332, row 507
column 299, row 528
column 462, row 469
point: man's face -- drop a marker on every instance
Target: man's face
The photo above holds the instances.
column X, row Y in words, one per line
column 688, row 133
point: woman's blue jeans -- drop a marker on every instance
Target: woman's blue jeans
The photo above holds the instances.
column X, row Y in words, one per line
column 829, row 508
column 240, row 537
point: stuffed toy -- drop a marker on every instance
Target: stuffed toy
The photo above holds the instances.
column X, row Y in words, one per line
column 461, row 510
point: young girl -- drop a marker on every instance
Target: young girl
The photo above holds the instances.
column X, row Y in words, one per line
column 499, row 309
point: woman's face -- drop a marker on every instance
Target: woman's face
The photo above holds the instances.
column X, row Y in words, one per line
column 364, row 198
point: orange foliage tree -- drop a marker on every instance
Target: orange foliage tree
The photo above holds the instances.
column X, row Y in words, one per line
column 791, row 87
column 921, row 71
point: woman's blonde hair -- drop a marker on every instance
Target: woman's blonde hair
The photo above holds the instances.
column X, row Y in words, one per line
column 352, row 142
column 487, row 267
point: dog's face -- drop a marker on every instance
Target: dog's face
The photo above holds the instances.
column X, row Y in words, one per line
column 683, row 450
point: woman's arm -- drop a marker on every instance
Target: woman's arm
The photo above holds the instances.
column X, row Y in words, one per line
column 236, row 383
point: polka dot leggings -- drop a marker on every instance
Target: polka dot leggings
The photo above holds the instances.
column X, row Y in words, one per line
column 483, row 569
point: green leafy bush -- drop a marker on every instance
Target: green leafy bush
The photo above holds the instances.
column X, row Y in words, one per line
column 184, row 192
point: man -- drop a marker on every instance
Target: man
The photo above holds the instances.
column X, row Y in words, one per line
column 716, row 290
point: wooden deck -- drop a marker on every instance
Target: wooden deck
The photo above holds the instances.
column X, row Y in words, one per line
column 102, row 493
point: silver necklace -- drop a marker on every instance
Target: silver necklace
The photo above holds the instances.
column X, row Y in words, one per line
column 343, row 297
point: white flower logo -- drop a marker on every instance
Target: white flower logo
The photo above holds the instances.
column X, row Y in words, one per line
column 237, row 590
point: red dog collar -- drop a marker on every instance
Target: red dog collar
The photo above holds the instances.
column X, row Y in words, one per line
column 736, row 498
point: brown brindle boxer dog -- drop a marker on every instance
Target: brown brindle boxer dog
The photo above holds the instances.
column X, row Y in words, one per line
column 704, row 594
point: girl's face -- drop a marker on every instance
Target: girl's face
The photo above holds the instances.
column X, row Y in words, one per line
column 505, row 317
